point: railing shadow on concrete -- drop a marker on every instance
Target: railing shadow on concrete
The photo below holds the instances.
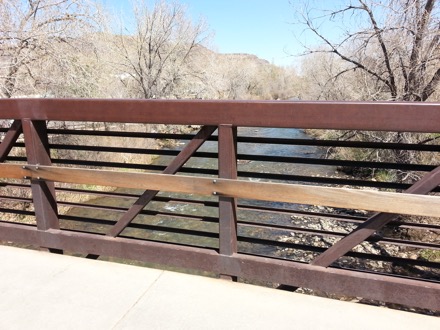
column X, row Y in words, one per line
column 73, row 147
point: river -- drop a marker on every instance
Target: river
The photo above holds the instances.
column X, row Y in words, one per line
column 187, row 220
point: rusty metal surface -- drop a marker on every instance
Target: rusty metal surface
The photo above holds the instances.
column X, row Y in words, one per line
column 10, row 138
column 228, row 260
column 391, row 116
column 273, row 210
column 43, row 192
column 252, row 157
column 261, row 140
column 351, row 283
column 376, row 222
column 172, row 168
column 227, row 169
column 246, row 174
column 341, row 143
column 422, row 294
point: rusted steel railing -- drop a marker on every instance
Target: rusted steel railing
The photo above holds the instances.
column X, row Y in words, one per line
column 376, row 239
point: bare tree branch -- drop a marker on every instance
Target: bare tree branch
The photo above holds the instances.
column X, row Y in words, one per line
column 395, row 42
column 431, row 86
column 34, row 32
column 378, row 34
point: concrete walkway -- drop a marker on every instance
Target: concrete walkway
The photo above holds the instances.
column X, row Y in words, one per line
column 39, row 290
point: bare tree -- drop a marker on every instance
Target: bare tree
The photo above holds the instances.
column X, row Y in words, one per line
column 388, row 50
column 35, row 34
column 81, row 71
column 242, row 76
column 156, row 56
column 318, row 72
column 394, row 42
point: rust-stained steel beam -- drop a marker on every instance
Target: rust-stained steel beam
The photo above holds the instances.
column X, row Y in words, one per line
column 227, row 169
column 10, row 138
column 382, row 116
column 259, row 140
column 43, row 192
column 425, row 185
column 180, row 160
column 415, row 293
column 254, row 157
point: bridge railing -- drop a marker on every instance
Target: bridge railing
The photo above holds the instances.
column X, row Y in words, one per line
column 285, row 219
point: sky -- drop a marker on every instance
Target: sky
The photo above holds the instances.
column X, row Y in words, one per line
column 260, row 27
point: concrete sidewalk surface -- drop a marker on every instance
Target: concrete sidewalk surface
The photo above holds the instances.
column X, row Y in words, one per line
column 40, row 290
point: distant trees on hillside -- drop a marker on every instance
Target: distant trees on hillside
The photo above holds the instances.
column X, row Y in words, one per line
column 244, row 76
column 65, row 48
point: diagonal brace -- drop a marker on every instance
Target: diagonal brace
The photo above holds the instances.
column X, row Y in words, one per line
column 425, row 185
column 177, row 163
column 10, row 138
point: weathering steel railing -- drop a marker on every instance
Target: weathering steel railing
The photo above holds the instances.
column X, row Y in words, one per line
column 46, row 164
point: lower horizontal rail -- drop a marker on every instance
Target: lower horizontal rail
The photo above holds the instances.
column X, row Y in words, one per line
column 332, row 216
column 335, row 216
column 416, row 293
column 242, row 239
column 399, row 203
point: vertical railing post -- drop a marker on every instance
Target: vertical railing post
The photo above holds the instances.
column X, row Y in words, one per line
column 43, row 192
column 227, row 168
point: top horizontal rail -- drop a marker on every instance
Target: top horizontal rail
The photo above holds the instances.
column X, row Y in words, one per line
column 374, row 116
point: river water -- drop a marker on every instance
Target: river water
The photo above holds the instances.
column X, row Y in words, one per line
column 184, row 222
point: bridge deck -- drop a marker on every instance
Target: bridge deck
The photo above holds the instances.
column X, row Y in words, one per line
column 41, row 290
